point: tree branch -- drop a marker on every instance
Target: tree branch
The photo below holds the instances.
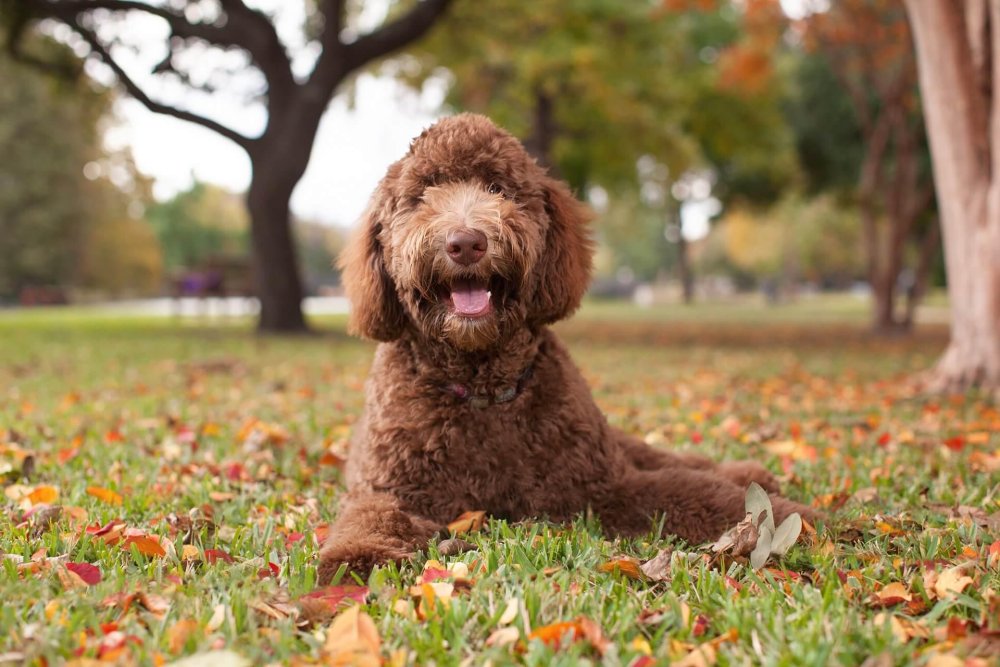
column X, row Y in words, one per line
column 395, row 34
column 157, row 107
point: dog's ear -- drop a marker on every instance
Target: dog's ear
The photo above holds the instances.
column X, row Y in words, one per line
column 376, row 311
column 564, row 268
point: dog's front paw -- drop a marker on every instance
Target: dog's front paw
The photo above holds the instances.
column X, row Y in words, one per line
column 359, row 559
column 742, row 473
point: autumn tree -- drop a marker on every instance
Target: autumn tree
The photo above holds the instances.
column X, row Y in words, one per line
column 958, row 53
column 865, row 44
column 240, row 38
column 592, row 87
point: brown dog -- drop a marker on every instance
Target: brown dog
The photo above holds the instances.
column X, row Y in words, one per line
column 467, row 251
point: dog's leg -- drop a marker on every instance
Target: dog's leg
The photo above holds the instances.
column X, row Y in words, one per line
column 740, row 473
column 696, row 505
column 372, row 529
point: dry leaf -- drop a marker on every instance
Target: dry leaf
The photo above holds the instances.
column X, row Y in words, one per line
column 702, row 656
column 951, row 582
column 510, row 611
column 658, row 567
column 468, row 522
column 353, row 640
column 503, row 636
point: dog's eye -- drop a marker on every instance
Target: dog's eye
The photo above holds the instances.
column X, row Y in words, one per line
column 494, row 189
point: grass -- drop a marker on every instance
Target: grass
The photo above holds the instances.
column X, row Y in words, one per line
column 216, row 441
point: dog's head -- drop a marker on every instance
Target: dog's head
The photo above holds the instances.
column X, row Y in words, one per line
column 466, row 240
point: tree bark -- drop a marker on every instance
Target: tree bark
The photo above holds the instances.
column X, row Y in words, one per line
column 963, row 123
column 684, row 268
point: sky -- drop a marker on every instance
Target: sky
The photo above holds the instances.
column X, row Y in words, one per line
column 355, row 145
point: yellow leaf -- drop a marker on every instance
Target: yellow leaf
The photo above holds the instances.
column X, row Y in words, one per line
column 701, row 656
column 190, row 552
column 468, row 522
column 107, row 495
column 353, row 640
column 951, row 582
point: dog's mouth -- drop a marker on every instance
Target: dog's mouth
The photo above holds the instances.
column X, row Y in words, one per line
column 472, row 297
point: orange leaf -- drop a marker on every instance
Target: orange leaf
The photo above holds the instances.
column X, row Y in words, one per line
column 43, row 494
column 107, row 495
column 178, row 634
column 146, row 545
column 468, row 522
column 553, row 633
column 627, row 566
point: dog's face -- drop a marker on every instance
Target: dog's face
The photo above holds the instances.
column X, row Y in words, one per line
column 466, row 240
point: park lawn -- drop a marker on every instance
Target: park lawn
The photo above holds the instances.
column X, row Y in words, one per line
column 195, row 467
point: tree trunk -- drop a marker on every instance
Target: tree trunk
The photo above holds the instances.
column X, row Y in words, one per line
column 963, row 124
column 275, row 265
column 684, row 267
column 543, row 133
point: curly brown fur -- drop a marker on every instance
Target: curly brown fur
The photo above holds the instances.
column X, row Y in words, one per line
column 423, row 452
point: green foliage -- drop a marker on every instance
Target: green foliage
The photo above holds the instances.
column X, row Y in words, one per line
column 827, row 136
column 200, row 223
column 48, row 132
column 816, row 239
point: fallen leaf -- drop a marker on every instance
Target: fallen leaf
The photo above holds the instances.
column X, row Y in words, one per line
column 335, row 597
column 148, row 546
column 43, row 494
column 212, row 659
column 510, row 611
column 468, row 522
column 503, row 636
column 951, row 582
column 179, row 633
column 106, row 495
column 701, row 656
column 624, row 565
column 891, row 594
column 353, row 640
column 454, row 546
column 90, row 574
column 657, row 568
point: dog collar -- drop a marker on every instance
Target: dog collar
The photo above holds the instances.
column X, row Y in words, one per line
column 503, row 395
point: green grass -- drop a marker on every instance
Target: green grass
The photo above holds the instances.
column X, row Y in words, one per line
column 158, row 413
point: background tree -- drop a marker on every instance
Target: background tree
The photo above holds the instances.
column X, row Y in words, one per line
column 293, row 105
column 48, row 132
column 592, row 86
column 958, row 52
column 879, row 149
column 202, row 222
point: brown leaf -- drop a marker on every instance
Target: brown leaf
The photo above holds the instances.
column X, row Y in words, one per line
column 454, row 546
column 658, row 567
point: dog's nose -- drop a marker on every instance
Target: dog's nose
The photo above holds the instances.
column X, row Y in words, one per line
column 466, row 246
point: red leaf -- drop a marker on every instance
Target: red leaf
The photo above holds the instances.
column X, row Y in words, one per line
column 214, row 555
column 272, row 570
column 434, row 574
column 335, row 596
column 955, row 443
column 90, row 574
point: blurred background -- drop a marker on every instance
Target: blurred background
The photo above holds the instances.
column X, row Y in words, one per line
column 207, row 158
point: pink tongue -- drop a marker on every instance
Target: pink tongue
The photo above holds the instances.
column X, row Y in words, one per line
column 470, row 299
